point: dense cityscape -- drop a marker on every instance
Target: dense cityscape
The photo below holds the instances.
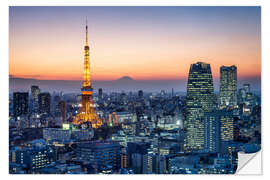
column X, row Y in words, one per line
column 141, row 133
column 160, row 132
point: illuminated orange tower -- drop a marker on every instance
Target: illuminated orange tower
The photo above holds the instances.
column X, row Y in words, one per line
column 87, row 112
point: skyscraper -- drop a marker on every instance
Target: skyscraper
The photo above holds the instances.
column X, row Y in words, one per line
column 63, row 109
column 35, row 92
column 140, row 94
column 44, row 103
column 20, row 103
column 228, row 87
column 87, row 112
column 100, row 93
column 200, row 89
column 200, row 99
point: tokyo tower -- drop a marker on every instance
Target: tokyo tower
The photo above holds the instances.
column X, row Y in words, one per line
column 87, row 112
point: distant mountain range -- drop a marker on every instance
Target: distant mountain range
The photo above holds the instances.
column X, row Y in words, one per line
column 124, row 83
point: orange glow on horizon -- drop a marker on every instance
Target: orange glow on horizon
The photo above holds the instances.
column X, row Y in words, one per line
column 143, row 51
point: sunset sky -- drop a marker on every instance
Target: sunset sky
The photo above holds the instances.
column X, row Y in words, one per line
column 145, row 43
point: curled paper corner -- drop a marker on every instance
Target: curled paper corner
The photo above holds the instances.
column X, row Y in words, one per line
column 249, row 163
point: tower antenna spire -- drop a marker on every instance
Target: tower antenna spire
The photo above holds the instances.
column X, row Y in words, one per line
column 86, row 40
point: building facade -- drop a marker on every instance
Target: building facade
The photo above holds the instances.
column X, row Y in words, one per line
column 211, row 132
column 102, row 154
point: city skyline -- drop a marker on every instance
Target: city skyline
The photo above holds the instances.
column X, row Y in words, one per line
column 197, row 132
column 229, row 40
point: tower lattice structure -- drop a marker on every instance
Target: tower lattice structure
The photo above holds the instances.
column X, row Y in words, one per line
column 87, row 112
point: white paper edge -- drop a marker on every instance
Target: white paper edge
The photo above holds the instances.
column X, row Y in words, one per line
column 249, row 164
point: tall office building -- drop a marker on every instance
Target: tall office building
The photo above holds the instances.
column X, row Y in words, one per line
column 56, row 106
column 200, row 89
column 140, row 94
column 100, row 93
column 200, row 99
column 34, row 93
column 63, row 109
column 20, row 103
column 228, row 87
column 44, row 103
